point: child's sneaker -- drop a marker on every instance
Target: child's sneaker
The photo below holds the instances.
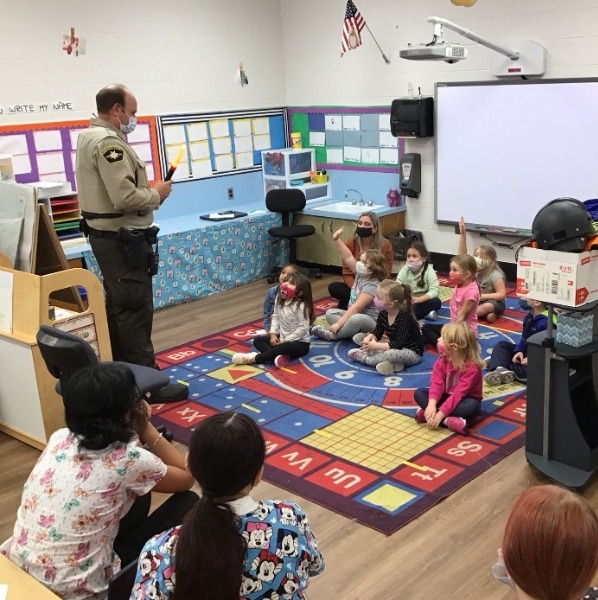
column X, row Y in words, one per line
column 420, row 416
column 282, row 360
column 357, row 354
column 359, row 337
column 322, row 332
column 499, row 376
column 432, row 316
column 456, row 424
column 244, row 358
column 388, row 368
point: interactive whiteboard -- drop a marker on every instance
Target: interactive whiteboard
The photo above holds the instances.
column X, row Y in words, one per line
column 505, row 149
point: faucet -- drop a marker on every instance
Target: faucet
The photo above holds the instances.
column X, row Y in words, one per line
column 361, row 202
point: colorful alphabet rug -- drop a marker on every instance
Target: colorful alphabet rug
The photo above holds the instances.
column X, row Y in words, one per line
column 339, row 433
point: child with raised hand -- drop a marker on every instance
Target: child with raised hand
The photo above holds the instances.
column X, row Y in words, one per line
column 273, row 292
column 231, row 545
column 490, row 278
column 288, row 337
column 455, row 391
column 367, row 236
column 420, row 276
column 361, row 315
column 464, row 299
column 404, row 345
column 509, row 361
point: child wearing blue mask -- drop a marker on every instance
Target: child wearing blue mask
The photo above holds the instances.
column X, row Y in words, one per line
column 288, row 337
column 508, row 360
column 420, row 276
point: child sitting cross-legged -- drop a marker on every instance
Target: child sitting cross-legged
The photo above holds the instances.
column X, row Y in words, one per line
column 404, row 344
column 509, row 361
column 455, row 391
column 288, row 337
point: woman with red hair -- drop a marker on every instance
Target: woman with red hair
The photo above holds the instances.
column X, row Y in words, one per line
column 550, row 546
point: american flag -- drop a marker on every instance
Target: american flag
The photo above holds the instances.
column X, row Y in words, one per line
column 352, row 26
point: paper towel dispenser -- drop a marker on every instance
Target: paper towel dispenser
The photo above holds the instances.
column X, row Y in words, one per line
column 412, row 117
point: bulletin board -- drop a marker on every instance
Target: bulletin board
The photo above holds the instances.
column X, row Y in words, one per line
column 220, row 143
column 46, row 151
column 355, row 138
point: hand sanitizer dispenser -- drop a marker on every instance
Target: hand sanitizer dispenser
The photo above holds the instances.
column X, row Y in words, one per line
column 410, row 173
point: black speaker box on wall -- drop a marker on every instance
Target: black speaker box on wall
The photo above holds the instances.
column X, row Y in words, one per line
column 412, row 117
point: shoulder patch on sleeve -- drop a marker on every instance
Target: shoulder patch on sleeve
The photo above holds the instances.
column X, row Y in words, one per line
column 113, row 154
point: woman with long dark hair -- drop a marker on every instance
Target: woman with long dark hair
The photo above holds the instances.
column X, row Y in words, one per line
column 85, row 506
column 230, row 545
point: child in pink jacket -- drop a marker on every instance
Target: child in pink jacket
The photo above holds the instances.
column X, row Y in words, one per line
column 455, row 391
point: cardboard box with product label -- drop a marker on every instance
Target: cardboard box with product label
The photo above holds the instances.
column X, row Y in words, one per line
column 562, row 278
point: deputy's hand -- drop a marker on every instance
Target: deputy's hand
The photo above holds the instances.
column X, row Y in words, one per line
column 164, row 188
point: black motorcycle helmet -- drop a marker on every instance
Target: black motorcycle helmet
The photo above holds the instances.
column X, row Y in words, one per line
column 563, row 225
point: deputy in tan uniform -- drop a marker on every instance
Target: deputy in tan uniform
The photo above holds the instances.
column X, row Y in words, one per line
column 117, row 205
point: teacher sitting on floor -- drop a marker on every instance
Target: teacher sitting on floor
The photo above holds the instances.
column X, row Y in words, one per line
column 367, row 237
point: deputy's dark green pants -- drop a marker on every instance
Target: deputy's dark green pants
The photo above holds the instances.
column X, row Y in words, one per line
column 129, row 304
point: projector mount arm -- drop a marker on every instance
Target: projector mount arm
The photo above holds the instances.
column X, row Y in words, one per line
column 439, row 23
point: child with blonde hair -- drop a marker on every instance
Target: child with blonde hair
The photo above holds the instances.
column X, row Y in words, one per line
column 361, row 315
column 403, row 344
column 490, row 278
column 455, row 391
column 464, row 299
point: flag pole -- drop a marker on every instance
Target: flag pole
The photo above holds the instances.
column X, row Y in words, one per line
column 386, row 59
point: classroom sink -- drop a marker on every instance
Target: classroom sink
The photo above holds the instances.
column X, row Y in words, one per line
column 348, row 208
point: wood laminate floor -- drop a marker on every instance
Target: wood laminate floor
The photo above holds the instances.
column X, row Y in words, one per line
column 445, row 554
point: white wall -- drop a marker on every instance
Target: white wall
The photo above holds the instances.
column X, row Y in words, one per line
column 175, row 56
column 316, row 75
column 181, row 57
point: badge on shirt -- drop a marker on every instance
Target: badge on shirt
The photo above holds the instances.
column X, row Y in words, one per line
column 113, row 154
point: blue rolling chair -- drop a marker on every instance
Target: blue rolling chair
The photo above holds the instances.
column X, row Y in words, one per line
column 65, row 353
column 286, row 202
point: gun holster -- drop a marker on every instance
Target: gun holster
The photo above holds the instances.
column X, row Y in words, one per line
column 134, row 248
column 151, row 236
column 84, row 227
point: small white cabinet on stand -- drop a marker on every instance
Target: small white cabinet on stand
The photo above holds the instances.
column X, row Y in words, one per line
column 293, row 168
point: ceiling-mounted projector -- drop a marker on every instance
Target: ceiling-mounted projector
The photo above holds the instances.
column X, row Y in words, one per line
column 523, row 59
column 448, row 52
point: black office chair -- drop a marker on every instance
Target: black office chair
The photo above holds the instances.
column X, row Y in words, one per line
column 121, row 584
column 65, row 353
column 286, row 202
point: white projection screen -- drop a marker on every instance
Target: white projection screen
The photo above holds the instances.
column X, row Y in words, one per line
column 504, row 149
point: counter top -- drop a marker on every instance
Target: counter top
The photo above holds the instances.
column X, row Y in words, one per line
column 317, row 208
column 342, row 209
